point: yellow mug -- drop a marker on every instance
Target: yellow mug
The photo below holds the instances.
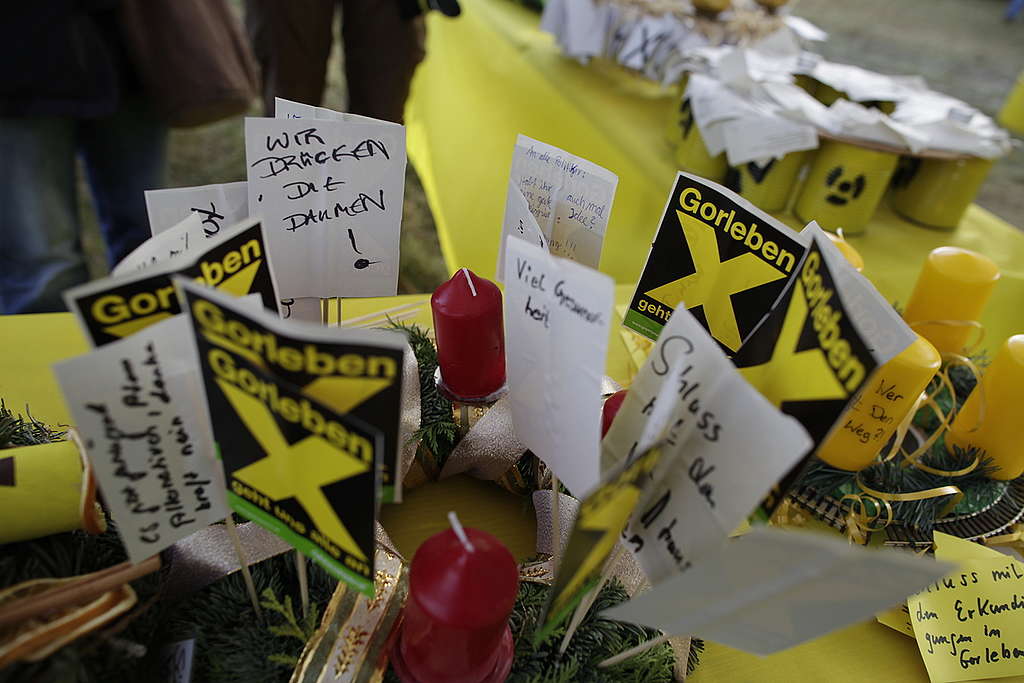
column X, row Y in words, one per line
column 844, row 186
column 691, row 153
column 766, row 186
column 937, row 192
column 677, row 114
column 1012, row 113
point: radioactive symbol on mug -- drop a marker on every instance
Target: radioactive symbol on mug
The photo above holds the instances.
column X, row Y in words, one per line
column 905, row 171
column 685, row 116
column 843, row 191
column 734, row 179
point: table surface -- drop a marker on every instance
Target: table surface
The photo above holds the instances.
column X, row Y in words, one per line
column 492, row 74
column 30, row 344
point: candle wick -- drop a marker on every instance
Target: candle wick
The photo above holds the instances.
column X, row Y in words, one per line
column 472, row 287
column 453, row 519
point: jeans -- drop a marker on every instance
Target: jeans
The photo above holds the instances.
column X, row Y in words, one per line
column 122, row 154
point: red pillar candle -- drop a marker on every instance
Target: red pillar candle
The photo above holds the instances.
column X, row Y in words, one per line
column 470, row 336
column 462, row 587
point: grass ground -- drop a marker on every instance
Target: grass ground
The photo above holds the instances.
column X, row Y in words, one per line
column 960, row 46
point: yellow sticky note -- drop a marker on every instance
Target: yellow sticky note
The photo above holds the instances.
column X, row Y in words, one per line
column 968, row 625
column 898, row 619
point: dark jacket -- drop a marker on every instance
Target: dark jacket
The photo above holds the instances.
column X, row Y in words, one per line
column 60, row 58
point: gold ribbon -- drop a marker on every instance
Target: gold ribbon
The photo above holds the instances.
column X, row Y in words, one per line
column 954, row 491
column 859, row 523
column 1014, row 539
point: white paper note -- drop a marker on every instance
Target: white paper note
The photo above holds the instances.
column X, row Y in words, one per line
column 287, row 109
column 139, row 407
column 523, row 225
column 219, row 206
column 752, row 138
column 557, row 315
column 570, row 198
column 330, row 194
column 725, row 446
column 163, row 246
column 770, row 590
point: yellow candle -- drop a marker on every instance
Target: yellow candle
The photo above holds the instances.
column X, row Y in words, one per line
column 954, row 284
column 866, row 426
column 847, row 250
column 1000, row 432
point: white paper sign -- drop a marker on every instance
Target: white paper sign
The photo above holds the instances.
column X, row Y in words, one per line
column 330, row 193
column 751, row 138
column 557, row 317
column 570, row 198
column 770, row 590
column 139, row 407
column 724, row 447
column 219, row 206
column 287, row 109
column 161, row 247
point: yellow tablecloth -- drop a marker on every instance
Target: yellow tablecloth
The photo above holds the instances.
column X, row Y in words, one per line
column 491, row 74
column 30, row 344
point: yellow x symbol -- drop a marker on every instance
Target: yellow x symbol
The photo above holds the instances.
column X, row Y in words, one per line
column 297, row 471
column 715, row 281
column 791, row 375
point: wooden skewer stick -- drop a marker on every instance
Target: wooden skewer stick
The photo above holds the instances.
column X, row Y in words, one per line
column 337, row 301
column 243, row 562
column 300, row 568
column 77, row 592
column 556, row 521
column 633, row 652
column 588, row 600
column 383, row 313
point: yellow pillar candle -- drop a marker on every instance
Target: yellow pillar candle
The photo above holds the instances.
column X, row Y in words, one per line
column 1000, row 430
column 866, row 426
column 954, row 285
column 847, row 250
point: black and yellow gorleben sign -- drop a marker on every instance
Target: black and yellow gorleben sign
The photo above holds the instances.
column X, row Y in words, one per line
column 291, row 463
column 113, row 308
column 713, row 251
column 359, row 379
column 808, row 357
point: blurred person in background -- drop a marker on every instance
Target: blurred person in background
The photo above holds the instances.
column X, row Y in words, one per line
column 382, row 40
column 67, row 91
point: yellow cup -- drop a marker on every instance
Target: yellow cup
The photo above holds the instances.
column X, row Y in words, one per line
column 691, row 154
column 844, row 186
column 990, row 419
column 45, row 490
column 767, row 187
column 937, row 192
column 826, row 94
column 1012, row 113
column 678, row 113
column 807, row 83
column 865, row 428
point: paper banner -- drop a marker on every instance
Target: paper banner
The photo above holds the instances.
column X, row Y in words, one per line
column 770, row 590
column 356, row 373
column 170, row 243
column 726, row 259
column 602, row 515
column 234, row 262
column 330, row 194
column 292, row 464
column 820, row 344
column 138, row 407
column 716, row 463
column 218, row 206
column 968, row 624
column 557, row 318
column 570, row 198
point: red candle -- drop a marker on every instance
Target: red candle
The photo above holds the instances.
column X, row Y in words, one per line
column 462, row 587
column 470, row 336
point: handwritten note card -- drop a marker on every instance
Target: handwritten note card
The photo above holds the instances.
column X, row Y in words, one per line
column 770, row 590
column 218, row 205
column 172, row 242
column 570, row 198
column 138, row 406
column 970, row 624
column 557, row 315
column 725, row 446
column 330, row 193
